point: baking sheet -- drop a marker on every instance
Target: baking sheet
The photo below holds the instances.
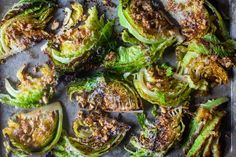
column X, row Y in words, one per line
column 34, row 56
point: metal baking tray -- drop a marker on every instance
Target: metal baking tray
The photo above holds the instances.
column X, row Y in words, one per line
column 34, row 56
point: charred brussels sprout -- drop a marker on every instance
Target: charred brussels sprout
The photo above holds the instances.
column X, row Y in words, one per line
column 206, row 58
column 71, row 49
column 95, row 135
column 23, row 25
column 196, row 17
column 203, row 138
column 108, row 94
column 146, row 22
column 157, row 138
column 35, row 132
column 32, row 91
column 157, row 85
column 199, row 69
column 207, row 54
column 191, row 15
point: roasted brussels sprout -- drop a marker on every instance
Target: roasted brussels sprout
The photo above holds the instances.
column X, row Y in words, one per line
column 200, row 69
column 157, row 85
column 157, row 138
column 208, row 54
column 196, row 17
column 95, row 135
column 32, row 91
column 191, row 15
column 35, row 132
column 204, row 134
column 71, row 49
column 108, row 94
column 146, row 22
column 23, row 25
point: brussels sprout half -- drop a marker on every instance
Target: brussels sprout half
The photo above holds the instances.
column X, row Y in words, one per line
column 95, row 135
column 203, row 26
column 23, row 25
column 205, row 58
column 200, row 69
column 191, row 15
column 155, row 139
column 204, row 134
column 108, row 94
column 71, row 49
column 34, row 132
column 32, row 91
column 196, row 17
column 144, row 21
column 157, row 85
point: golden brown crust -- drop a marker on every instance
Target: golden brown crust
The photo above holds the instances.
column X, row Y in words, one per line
column 102, row 128
column 25, row 34
column 32, row 132
column 193, row 17
column 146, row 15
column 205, row 67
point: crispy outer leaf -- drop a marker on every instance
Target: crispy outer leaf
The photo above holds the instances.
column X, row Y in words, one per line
column 210, row 44
column 221, row 23
column 133, row 58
